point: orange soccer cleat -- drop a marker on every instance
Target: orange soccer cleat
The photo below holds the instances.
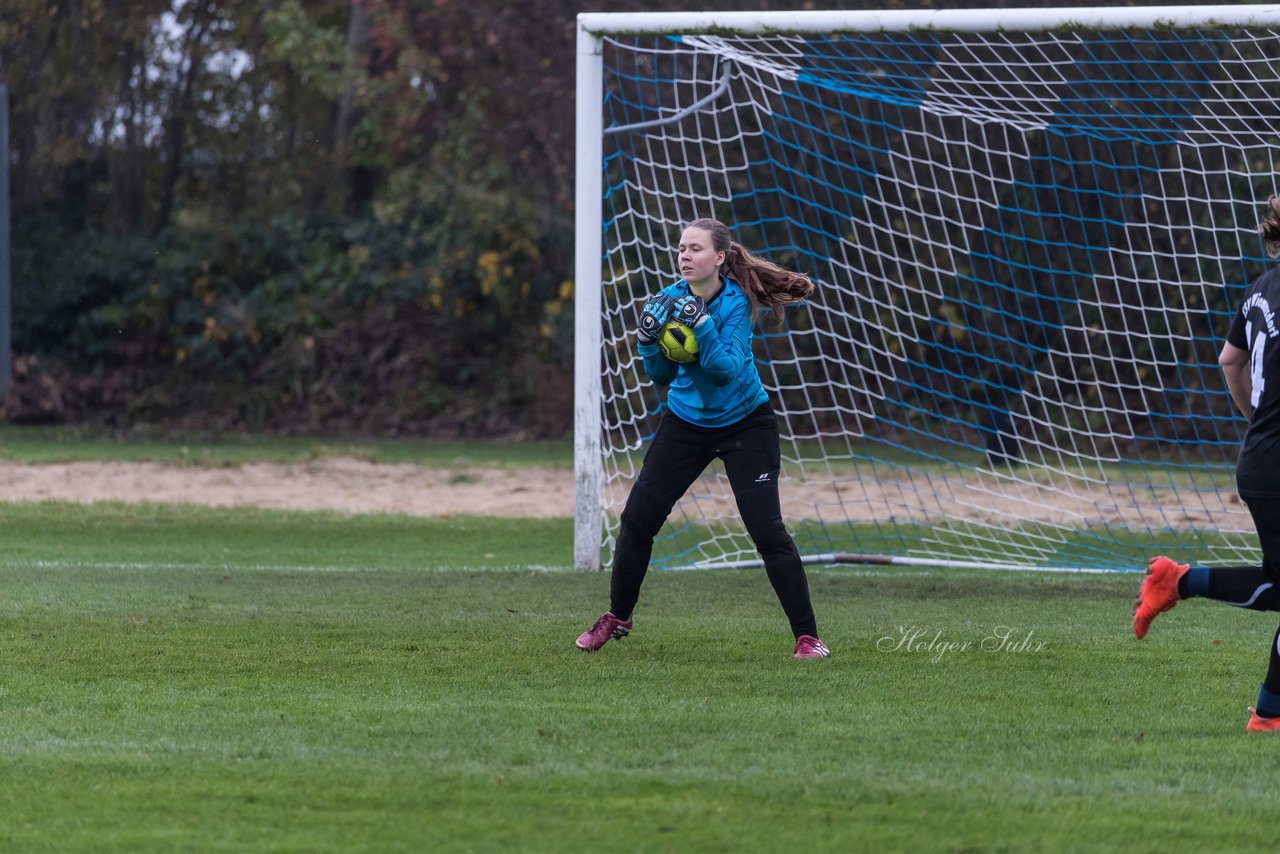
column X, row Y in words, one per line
column 1159, row 593
column 1257, row 723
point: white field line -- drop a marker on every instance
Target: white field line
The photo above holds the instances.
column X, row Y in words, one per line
column 145, row 566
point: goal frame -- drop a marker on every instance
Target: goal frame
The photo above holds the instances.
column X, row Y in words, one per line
column 594, row 27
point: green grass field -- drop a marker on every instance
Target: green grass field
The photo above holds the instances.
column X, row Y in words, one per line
column 72, row 444
column 181, row 678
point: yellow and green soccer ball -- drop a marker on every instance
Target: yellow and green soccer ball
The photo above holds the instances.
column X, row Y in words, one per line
column 677, row 342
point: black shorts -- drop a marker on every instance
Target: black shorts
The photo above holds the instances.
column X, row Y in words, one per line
column 681, row 451
column 1266, row 520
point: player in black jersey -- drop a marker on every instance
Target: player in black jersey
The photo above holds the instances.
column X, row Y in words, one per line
column 1250, row 362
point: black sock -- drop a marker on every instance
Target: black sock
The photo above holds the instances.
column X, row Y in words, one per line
column 1249, row 587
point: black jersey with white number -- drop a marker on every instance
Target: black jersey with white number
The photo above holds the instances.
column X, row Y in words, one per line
column 1253, row 328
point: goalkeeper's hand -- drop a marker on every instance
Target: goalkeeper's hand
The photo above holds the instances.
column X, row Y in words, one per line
column 689, row 310
column 654, row 316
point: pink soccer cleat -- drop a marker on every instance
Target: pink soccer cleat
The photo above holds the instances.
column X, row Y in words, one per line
column 606, row 627
column 1159, row 593
column 807, row 646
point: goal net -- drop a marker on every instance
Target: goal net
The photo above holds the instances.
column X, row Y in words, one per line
column 1027, row 233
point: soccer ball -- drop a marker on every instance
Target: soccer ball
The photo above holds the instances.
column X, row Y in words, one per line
column 677, row 342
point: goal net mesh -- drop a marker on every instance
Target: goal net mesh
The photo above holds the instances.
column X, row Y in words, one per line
column 1026, row 246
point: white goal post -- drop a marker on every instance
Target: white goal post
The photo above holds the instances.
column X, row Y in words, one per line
column 1028, row 228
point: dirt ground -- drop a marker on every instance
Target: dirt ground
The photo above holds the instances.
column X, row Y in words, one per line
column 356, row 486
column 340, row 484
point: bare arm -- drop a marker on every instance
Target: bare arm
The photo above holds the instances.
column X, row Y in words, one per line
column 1235, row 368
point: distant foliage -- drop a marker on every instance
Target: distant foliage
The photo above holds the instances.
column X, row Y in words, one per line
column 297, row 214
column 302, row 325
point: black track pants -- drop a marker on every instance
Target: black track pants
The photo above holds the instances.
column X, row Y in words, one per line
column 680, row 451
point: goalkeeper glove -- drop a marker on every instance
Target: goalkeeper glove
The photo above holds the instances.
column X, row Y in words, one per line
column 654, row 317
column 689, row 310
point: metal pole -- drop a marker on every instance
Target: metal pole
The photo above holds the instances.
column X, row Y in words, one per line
column 898, row 20
column 587, row 417
column 5, row 320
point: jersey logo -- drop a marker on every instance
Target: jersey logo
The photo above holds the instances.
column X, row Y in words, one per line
column 1259, row 302
column 1257, row 344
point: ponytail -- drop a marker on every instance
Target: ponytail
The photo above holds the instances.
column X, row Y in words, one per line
column 1269, row 228
column 765, row 283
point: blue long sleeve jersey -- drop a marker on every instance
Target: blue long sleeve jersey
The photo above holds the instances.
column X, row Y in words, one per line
column 722, row 386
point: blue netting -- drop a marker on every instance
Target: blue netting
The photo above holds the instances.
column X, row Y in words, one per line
column 1027, row 250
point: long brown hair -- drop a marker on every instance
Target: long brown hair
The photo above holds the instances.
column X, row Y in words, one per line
column 1269, row 228
column 766, row 284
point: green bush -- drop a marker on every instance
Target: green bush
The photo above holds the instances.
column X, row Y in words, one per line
column 302, row 324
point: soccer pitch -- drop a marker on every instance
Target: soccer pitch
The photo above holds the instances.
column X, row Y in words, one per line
column 193, row 678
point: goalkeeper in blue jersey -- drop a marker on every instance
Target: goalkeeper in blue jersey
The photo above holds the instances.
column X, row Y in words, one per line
column 1250, row 362
column 717, row 408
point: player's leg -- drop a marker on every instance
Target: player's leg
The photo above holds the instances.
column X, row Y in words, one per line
column 752, row 461
column 1259, row 590
column 1254, row 587
column 676, row 456
column 1265, row 717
